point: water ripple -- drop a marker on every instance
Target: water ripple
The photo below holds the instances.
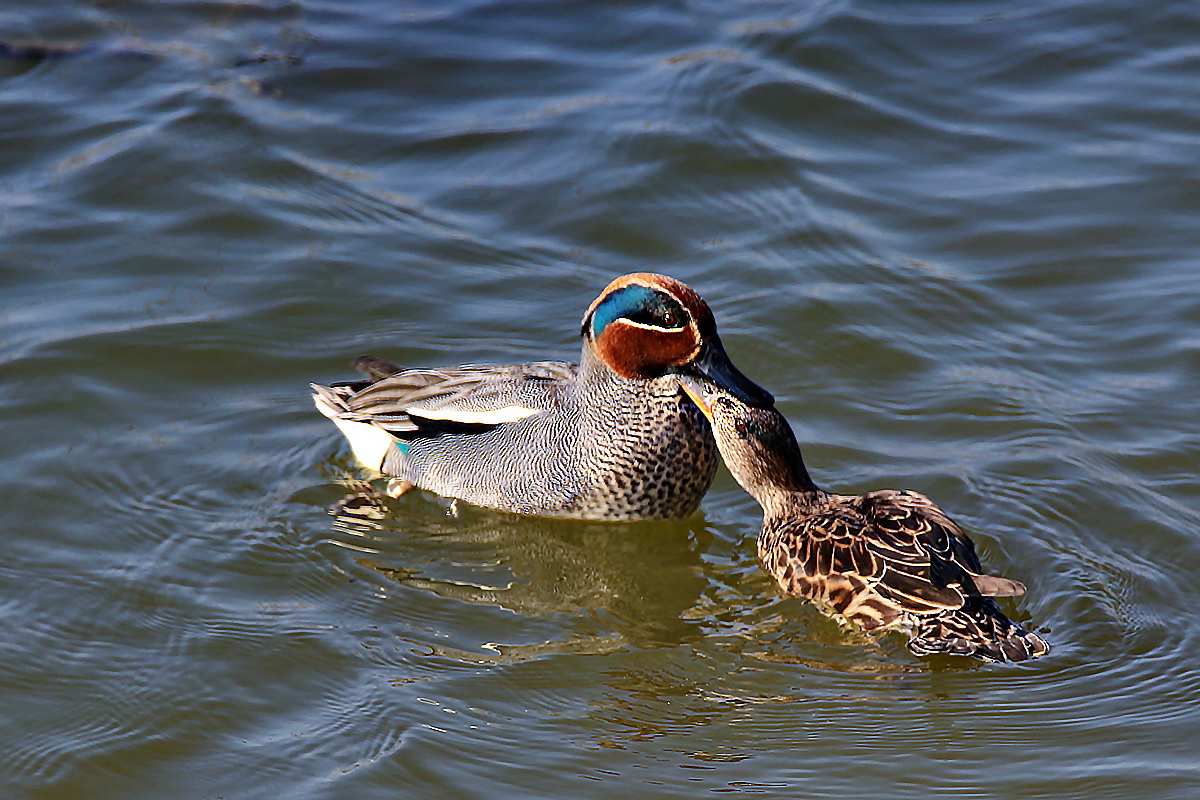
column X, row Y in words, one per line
column 956, row 242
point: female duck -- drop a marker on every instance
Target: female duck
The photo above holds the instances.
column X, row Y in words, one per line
column 612, row 437
column 886, row 559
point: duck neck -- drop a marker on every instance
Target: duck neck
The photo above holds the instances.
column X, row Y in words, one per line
column 593, row 369
column 595, row 375
column 787, row 502
column 779, row 482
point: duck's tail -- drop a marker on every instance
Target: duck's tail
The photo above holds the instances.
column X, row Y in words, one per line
column 370, row 443
column 376, row 368
column 979, row 630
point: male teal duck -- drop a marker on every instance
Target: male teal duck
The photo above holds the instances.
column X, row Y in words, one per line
column 882, row 560
column 611, row 438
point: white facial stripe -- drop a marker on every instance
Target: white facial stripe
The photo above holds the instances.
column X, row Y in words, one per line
column 496, row 416
column 646, row 327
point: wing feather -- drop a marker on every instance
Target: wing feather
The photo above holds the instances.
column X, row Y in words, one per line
column 418, row 403
column 880, row 557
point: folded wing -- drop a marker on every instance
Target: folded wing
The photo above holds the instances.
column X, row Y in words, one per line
column 881, row 557
column 421, row 403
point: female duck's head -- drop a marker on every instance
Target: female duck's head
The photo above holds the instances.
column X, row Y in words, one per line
column 646, row 325
column 757, row 443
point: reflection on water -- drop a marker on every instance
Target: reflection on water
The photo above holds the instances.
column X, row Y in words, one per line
column 612, row 585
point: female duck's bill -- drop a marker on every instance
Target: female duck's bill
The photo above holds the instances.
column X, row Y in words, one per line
column 882, row 560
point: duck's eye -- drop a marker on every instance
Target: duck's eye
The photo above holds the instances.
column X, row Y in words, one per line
column 639, row 304
column 659, row 311
column 749, row 428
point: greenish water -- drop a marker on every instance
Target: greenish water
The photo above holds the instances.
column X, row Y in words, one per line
column 956, row 240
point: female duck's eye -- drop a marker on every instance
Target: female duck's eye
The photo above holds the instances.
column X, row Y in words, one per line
column 747, row 427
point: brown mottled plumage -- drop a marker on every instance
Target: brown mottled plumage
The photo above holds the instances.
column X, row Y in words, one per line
column 885, row 559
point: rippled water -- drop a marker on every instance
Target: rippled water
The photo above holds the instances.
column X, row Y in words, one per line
column 956, row 240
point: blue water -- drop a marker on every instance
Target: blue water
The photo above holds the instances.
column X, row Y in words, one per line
column 955, row 240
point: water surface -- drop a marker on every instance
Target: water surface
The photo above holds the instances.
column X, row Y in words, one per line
column 955, row 240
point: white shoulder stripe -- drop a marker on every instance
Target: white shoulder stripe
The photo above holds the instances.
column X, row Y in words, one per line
column 496, row 416
column 648, row 327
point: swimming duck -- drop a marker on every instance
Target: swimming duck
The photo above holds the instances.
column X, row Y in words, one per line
column 610, row 438
column 882, row 560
